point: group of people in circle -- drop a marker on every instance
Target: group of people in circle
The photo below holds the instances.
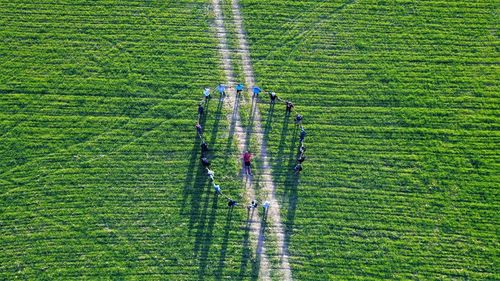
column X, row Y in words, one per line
column 247, row 156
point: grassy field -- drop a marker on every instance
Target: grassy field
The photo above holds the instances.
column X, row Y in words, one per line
column 401, row 105
column 99, row 173
column 99, row 162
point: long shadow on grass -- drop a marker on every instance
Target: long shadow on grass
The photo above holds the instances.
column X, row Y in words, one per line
column 289, row 200
column 250, row 125
column 268, row 124
column 223, row 250
column 279, row 168
column 247, row 250
column 232, row 127
column 197, row 186
column 260, row 246
column 191, row 177
column 204, row 236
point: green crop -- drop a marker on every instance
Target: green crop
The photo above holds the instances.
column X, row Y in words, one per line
column 99, row 170
column 401, row 106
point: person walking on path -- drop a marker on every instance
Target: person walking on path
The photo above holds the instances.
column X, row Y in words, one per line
column 289, row 106
column 247, row 159
column 206, row 93
column 256, row 92
column 265, row 206
column 222, row 91
column 252, row 205
column 239, row 88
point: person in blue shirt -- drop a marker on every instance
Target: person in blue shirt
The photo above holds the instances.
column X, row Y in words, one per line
column 256, row 91
column 222, row 90
column 206, row 93
column 239, row 88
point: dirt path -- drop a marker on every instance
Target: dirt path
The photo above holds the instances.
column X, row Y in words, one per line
column 268, row 184
column 254, row 224
column 273, row 221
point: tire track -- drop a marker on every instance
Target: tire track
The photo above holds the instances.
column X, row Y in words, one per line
column 253, row 225
column 268, row 190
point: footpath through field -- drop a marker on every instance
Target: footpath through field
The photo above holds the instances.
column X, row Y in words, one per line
column 256, row 224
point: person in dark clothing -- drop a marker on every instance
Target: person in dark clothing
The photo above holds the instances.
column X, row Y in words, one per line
column 200, row 110
column 301, row 159
column 199, row 129
column 252, row 205
column 204, row 148
column 289, row 106
column 231, row 203
column 302, row 135
column 302, row 149
column 297, row 168
column 298, row 119
column 205, row 162
column 273, row 97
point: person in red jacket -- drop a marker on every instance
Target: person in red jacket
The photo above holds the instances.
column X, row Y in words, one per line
column 247, row 159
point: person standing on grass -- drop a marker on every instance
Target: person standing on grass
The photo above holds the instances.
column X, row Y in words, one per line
column 206, row 93
column 247, row 159
column 273, row 97
column 205, row 162
column 222, row 91
column 297, row 168
column 239, row 88
column 217, row 189
column 302, row 149
column 210, row 174
column 231, row 203
column 199, row 129
column 301, row 159
column 289, row 106
column 204, row 148
column 200, row 110
column 302, row 135
column 298, row 119
column 256, row 91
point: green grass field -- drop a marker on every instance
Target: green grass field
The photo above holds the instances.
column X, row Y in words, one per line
column 401, row 105
column 99, row 172
column 99, row 161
